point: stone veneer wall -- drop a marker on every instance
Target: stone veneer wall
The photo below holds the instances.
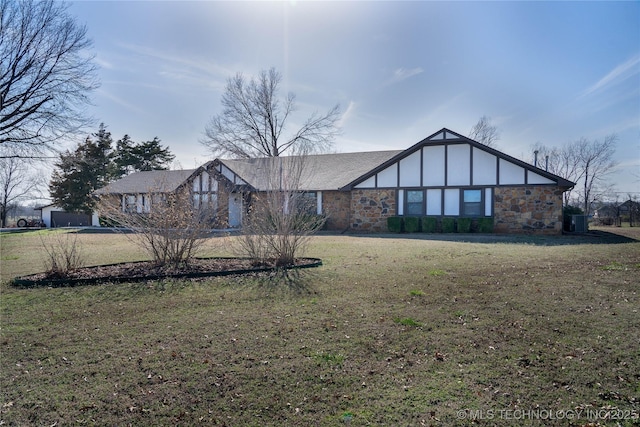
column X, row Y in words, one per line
column 528, row 209
column 370, row 209
column 336, row 205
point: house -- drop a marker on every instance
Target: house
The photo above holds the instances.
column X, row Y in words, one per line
column 615, row 213
column 444, row 175
column 136, row 190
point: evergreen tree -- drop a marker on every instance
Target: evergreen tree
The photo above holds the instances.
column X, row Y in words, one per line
column 99, row 156
column 123, row 157
column 81, row 172
column 145, row 156
column 94, row 163
column 150, row 155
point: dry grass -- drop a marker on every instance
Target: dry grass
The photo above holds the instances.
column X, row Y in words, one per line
column 392, row 330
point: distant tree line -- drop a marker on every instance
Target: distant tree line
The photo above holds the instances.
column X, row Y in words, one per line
column 95, row 163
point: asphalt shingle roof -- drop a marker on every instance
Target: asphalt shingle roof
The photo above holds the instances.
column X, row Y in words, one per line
column 150, row 181
column 322, row 172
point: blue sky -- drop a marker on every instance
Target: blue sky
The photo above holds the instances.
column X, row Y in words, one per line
column 548, row 72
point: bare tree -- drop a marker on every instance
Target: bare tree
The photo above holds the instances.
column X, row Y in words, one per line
column 634, row 209
column 167, row 226
column 562, row 161
column 46, row 74
column 596, row 162
column 16, row 183
column 484, row 132
column 585, row 162
column 254, row 121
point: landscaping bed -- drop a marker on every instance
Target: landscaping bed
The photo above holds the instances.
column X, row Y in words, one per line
column 148, row 270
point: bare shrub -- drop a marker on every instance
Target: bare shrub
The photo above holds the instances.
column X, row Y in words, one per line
column 170, row 229
column 63, row 253
column 282, row 219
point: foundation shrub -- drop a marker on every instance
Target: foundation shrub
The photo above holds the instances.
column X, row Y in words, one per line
column 394, row 224
column 412, row 224
column 464, row 225
column 448, row 225
column 485, row 225
column 429, row 224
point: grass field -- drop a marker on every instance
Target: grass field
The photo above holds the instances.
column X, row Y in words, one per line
column 391, row 330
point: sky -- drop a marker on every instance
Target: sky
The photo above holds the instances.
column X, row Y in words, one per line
column 544, row 72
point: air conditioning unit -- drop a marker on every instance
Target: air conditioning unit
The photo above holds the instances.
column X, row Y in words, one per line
column 579, row 223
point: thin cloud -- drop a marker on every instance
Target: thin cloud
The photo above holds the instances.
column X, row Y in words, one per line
column 400, row 74
column 121, row 102
column 441, row 111
column 193, row 79
column 198, row 64
column 103, row 63
column 615, row 76
column 348, row 113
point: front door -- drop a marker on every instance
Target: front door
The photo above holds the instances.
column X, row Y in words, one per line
column 235, row 210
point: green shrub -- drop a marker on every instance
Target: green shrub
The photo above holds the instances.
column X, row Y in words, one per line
column 411, row 224
column 572, row 210
column 448, row 225
column 464, row 225
column 394, row 224
column 429, row 224
column 485, row 225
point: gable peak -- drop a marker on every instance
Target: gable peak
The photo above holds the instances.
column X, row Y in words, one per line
column 444, row 134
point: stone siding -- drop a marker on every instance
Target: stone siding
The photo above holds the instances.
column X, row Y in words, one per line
column 370, row 209
column 528, row 209
column 336, row 205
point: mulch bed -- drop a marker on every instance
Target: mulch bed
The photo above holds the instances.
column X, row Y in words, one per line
column 148, row 270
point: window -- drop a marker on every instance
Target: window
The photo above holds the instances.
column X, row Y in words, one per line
column 415, row 202
column 447, row 201
column 204, row 193
column 205, row 182
column 130, row 205
column 309, row 202
column 472, row 203
column 146, row 203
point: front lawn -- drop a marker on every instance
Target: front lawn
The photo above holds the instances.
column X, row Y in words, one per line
column 391, row 330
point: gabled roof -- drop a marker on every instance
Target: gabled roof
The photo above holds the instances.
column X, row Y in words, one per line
column 445, row 135
column 322, row 172
column 148, row 181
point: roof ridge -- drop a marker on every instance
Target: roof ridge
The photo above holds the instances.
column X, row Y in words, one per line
column 314, row 155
